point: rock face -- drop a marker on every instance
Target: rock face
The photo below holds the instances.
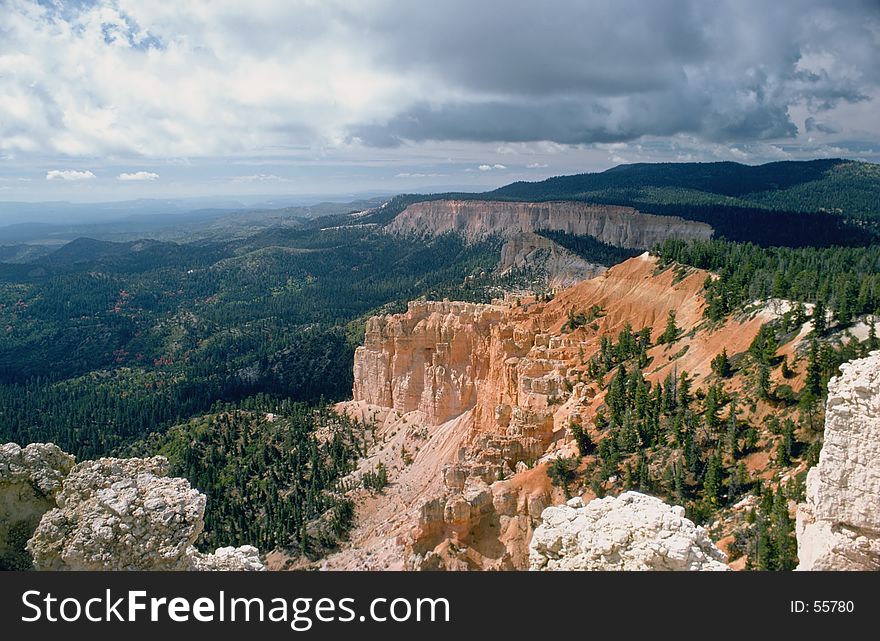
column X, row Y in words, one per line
column 613, row 224
column 126, row 514
column 630, row 532
column 482, row 397
column 29, row 479
column 838, row 528
column 427, row 359
column 561, row 267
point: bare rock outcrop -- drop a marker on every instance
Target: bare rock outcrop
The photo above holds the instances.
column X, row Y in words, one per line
column 427, row 359
column 838, row 527
column 630, row 532
column 29, row 479
column 478, row 219
column 126, row 514
column 482, row 397
column 561, row 267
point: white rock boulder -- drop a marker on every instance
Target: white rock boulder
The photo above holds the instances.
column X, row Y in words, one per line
column 126, row 514
column 838, row 527
column 29, row 479
column 630, row 532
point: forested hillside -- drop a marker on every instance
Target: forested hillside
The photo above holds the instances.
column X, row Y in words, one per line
column 104, row 342
column 792, row 204
column 844, row 279
column 844, row 186
column 272, row 478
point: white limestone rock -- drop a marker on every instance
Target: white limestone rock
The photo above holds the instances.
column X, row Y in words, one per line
column 29, row 479
column 230, row 559
column 630, row 532
column 126, row 514
column 838, row 527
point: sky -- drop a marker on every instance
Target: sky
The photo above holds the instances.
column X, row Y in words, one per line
column 124, row 99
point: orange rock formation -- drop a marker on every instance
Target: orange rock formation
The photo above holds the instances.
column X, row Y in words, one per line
column 469, row 402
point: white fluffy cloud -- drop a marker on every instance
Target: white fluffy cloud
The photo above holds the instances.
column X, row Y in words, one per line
column 71, row 175
column 138, row 176
column 189, row 79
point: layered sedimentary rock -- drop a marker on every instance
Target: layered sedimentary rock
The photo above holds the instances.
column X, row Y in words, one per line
column 613, row 224
column 29, row 479
column 561, row 267
column 838, row 527
column 126, row 514
column 427, row 359
column 468, row 489
column 481, row 397
column 630, row 532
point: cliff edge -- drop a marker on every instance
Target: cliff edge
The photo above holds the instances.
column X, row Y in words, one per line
column 30, row 477
column 108, row 514
column 838, row 527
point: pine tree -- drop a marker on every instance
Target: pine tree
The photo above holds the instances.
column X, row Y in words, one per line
column 721, row 364
column 582, row 439
column 763, row 382
column 820, row 324
column 562, row 472
column 684, row 391
column 672, row 332
column 785, row 449
column 710, row 413
column 712, row 482
column 783, row 542
column 814, row 370
column 678, row 484
column 643, row 472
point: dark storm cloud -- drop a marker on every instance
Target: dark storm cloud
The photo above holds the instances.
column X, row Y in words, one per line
column 606, row 71
column 575, row 121
column 811, row 124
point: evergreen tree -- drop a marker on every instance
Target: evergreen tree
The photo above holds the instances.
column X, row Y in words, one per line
column 814, row 370
column 763, row 382
column 820, row 324
column 712, row 482
column 721, row 364
column 582, row 439
column 562, row 472
column 684, row 391
column 672, row 332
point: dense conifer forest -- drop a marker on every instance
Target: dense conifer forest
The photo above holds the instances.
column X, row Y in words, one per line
column 272, row 478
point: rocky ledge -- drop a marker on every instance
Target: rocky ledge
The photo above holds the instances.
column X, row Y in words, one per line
column 30, row 477
column 630, row 532
column 108, row 514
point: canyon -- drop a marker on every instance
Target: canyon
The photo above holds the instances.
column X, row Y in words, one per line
column 467, row 406
column 470, row 403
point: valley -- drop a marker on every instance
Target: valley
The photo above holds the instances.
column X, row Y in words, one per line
column 409, row 385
